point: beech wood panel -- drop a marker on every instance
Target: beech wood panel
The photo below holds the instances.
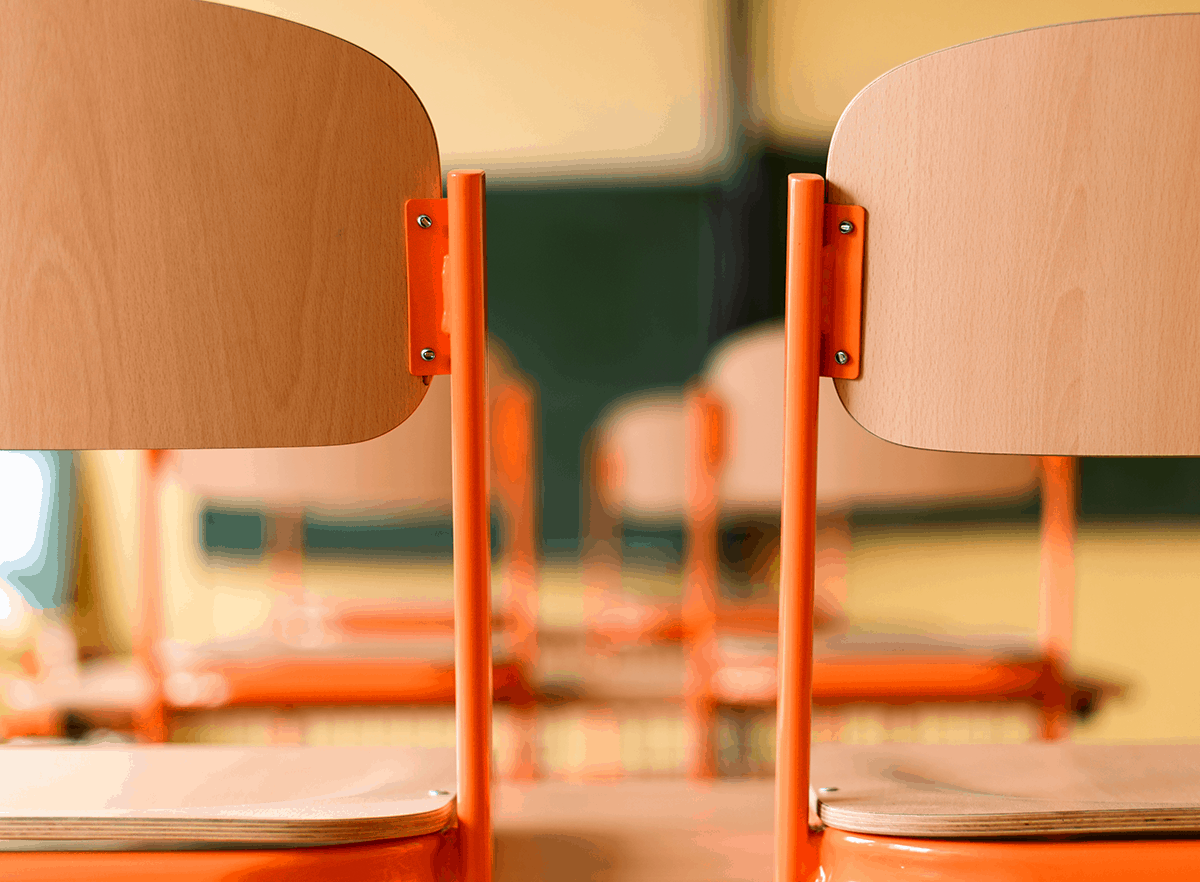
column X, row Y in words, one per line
column 1032, row 270
column 404, row 469
column 853, row 467
column 998, row 790
column 277, row 795
column 201, row 239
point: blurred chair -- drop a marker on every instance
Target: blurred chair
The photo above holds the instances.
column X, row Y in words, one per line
column 48, row 693
column 714, row 453
column 1026, row 204
column 331, row 649
column 321, row 651
column 210, row 217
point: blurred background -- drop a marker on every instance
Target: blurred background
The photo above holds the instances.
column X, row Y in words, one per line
column 637, row 153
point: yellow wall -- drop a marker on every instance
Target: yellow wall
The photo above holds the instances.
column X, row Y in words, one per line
column 536, row 87
column 813, row 56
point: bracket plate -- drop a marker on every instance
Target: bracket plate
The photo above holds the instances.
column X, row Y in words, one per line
column 428, row 249
column 841, row 291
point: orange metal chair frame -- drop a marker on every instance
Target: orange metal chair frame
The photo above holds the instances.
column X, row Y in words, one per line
column 466, row 297
column 342, row 681
column 802, row 852
column 466, row 848
column 1040, row 681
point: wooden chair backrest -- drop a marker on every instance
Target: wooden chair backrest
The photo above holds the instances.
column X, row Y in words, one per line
column 408, row 468
column 642, row 440
column 853, row 466
column 201, row 229
column 1032, row 258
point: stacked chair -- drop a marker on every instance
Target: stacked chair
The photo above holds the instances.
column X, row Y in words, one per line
column 323, row 651
column 714, row 453
column 221, row 207
column 1026, row 205
column 211, row 217
column 317, row 652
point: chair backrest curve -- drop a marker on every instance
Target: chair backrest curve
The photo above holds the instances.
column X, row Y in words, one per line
column 1032, row 267
column 201, row 229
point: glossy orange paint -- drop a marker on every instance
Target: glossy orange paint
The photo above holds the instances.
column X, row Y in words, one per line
column 841, row 289
column 795, row 847
column 467, row 301
column 514, row 450
column 427, row 240
column 388, row 619
column 419, row 858
column 514, row 457
column 857, row 857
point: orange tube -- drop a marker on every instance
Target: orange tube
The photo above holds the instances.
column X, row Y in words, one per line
column 514, row 429
column 796, row 852
column 1056, row 603
column 149, row 720
column 466, row 297
column 701, row 570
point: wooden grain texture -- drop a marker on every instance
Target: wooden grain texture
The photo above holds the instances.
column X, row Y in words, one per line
column 853, row 467
column 998, row 790
column 201, row 238
column 1033, row 213
column 408, row 468
column 177, row 794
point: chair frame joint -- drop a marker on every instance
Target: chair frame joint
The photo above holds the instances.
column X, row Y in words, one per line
column 427, row 249
column 841, row 291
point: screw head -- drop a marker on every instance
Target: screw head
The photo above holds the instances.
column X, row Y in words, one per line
column 428, row 354
column 846, row 227
column 841, row 356
column 439, row 792
column 826, row 790
column 424, row 221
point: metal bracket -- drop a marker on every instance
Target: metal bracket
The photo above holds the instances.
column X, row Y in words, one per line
column 427, row 241
column 841, row 291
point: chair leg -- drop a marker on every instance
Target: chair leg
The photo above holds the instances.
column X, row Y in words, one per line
column 796, row 851
column 467, row 299
column 1056, row 601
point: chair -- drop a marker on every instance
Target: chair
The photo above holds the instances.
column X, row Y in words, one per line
column 1026, row 208
column 731, row 645
column 324, row 653
column 213, row 220
column 327, row 652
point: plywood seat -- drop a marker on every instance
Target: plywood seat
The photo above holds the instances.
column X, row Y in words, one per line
column 1009, row 790
column 252, row 671
column 864, row 665
column 232, row 795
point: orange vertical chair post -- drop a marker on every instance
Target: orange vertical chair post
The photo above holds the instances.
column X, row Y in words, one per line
column 796, row 850
column 150, row 720
column 466, row 298
column 514, row 456
column 1056, row 601
column 701, row 572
